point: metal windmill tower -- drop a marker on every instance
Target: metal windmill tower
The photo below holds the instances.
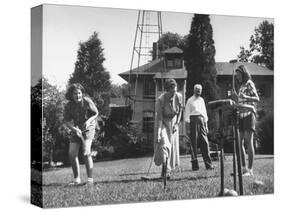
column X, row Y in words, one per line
column 148, row 30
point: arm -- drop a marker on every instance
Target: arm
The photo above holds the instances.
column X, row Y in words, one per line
column 179, row 112
column 73, row 128
column 179, row 115
column 93, row 109
column 159, row 120
column 186, row 117
column 205, row 116
column 234, row 95
column 68, row 119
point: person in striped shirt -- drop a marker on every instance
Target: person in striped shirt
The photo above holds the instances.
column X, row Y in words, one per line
column 247, row 120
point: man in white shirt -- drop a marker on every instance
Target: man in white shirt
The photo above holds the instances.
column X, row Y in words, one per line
column 196, row 117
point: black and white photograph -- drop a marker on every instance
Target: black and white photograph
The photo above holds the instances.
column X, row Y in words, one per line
column 140, row 105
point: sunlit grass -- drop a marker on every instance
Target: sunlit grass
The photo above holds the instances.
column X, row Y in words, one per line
column 120, row 182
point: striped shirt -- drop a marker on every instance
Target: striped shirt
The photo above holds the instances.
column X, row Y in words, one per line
column 247, row 89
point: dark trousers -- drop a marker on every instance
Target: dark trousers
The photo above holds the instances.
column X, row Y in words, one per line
column 198, row 135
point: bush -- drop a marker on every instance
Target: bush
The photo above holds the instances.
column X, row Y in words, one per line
column 120, row 140
column 47, row 147
column 265, row 134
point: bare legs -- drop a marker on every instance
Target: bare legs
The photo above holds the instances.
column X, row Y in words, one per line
column 89, row 165
column 248, row 138
column 73, row 157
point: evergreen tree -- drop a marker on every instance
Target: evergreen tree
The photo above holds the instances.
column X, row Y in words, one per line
column 199, row 57
column 90, row 72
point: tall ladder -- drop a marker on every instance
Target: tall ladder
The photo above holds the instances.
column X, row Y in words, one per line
column 149, row 27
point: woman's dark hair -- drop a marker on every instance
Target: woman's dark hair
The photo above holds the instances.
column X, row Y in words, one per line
column 70, row 90
column 244, row 72
column 170, row 83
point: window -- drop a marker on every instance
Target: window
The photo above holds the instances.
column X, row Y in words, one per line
column 178, row 63
column 180, row 84
column 170, row 63
column 174, row 63
column 148, row 122
column 148, row 88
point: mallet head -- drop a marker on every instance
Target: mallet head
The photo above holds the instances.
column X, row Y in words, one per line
column 233, row 61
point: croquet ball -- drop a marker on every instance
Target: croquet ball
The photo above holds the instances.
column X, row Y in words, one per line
column 258, row 183
column 225, row 190
column 229, row 192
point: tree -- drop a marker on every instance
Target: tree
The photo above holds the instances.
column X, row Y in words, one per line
column 261, row 48
column 90, row 72
column 54, row 134
column 121, row 91
column 47, row 132
column 244, row 55
column 169, row 40
column 36, row 126
column 199, row 57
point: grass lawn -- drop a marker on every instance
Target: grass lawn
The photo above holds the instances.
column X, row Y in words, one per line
column 120, row 181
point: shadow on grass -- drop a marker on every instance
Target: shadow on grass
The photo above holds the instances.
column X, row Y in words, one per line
column 138, row 173
column 64, row 185
column 156, row 179
column 263, row 158
column 151, row 173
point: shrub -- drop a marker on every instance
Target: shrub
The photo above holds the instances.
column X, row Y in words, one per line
column 265, row 134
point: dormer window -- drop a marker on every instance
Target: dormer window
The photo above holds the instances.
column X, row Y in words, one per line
column 170, row 63
column 178, row 63
column 173, row 58
column 174, row 63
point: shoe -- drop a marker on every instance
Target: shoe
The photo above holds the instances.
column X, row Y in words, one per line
column 244, row 171
column 210, row 167
column 248, row 173
column 76, row 181
column 194, row 165
column 168, row 176
column 90, row 181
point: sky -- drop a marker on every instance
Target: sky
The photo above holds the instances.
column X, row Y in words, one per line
column 65, row 26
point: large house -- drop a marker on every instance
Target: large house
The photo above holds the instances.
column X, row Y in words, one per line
column 147, row 83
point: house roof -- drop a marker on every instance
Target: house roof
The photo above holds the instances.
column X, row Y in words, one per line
column 173, row 73
column 117, row 101
column 155, row 68
column 224, row 68
column 173, row 50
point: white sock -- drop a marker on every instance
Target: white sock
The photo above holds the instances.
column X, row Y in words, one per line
column 77, row 180
column 90, row 180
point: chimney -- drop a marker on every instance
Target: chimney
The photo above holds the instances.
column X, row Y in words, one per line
column 155, row 51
